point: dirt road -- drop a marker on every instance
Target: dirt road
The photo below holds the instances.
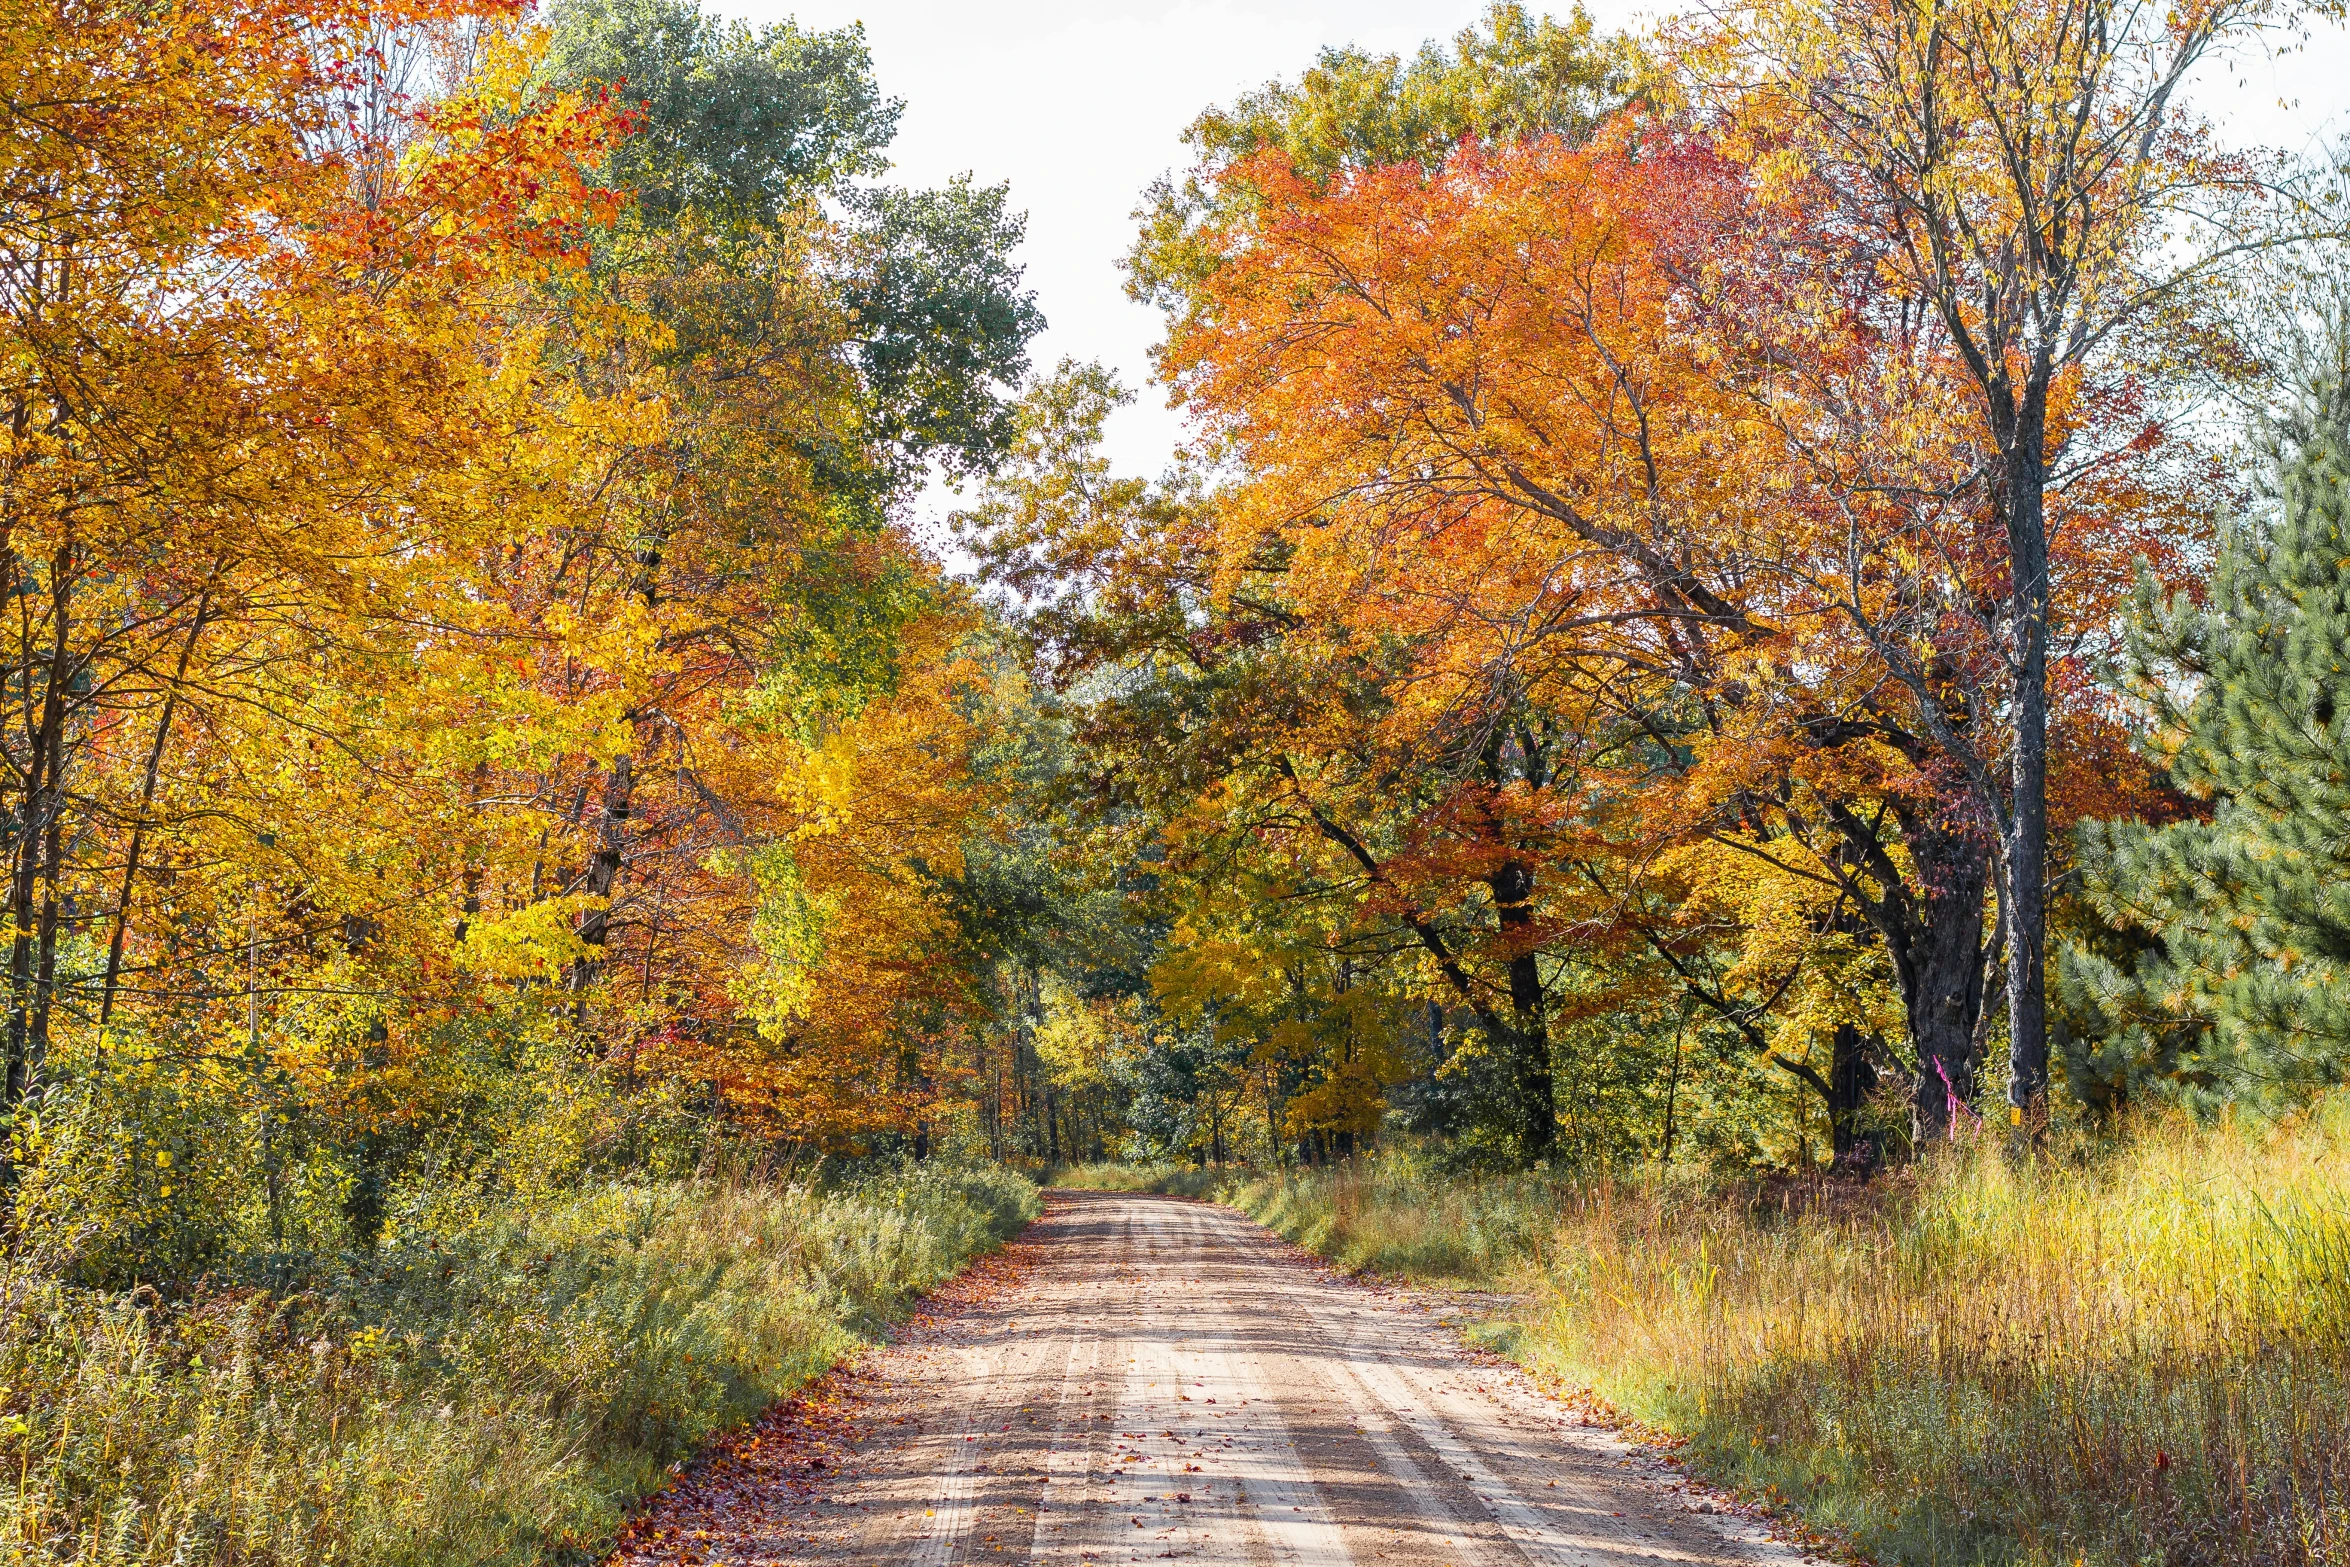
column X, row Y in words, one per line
column 1150, row 1379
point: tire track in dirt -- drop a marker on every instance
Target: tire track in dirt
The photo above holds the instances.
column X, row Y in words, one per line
column 1140, row 1379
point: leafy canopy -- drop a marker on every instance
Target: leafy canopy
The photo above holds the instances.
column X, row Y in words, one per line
column 737, row 123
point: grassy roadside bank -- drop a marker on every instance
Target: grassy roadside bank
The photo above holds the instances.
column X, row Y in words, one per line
column 493, row 1396
column 2143, row 1357
column 1173, row 1180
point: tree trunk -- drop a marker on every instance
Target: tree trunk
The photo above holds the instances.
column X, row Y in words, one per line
column 32, row 954
column 2027, row 841
column 1664, row 1151
column 1529, row 1044
column 1852, row 1076
column 603, row 871
column 1272, row 1118
column 130, row 864
column 1940, row 963
column 45, row 983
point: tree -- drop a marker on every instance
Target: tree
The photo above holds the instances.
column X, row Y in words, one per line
column 250, row 248
column 749, row 134
column 2044, row 191
column 739, row 126
column 1520, row 77
column 461, row 606
column 710, row 694
column 2245, row 911
column 1594, row 468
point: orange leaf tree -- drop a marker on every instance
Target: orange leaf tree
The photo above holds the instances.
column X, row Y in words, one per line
column 1581, row 572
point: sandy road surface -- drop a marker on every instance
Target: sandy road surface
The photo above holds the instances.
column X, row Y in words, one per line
column 1151, row 1379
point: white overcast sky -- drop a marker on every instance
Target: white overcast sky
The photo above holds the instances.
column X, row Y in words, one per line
column 1080, row 105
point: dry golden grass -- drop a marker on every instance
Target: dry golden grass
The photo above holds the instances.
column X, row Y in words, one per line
column 2142, row 1355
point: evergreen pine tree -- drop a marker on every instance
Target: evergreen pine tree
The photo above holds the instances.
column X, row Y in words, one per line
column 2243, row 989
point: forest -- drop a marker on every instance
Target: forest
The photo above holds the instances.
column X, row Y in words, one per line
column 1751, row 608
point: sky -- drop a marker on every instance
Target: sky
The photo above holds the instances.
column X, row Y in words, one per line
column 1080, row 105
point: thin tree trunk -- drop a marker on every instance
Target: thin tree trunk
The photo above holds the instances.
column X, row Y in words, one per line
column 1852, row 1076
column 603, row 873
column 130, row 866
column 1272, row 1118
column 45, row 986
column 2027, row 845
column 1664, row 1153
column 269, row 1163
column 45, row 760
column 1513, row 892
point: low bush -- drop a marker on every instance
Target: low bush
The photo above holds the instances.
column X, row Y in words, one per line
column 493, row 1394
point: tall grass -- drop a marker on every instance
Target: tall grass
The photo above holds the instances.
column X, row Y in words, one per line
column 2140, row 1357
column 497, row 1395
column 1391, row 1218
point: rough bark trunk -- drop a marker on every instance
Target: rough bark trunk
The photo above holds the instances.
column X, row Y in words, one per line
column 1942, row 969
column 2027, row 838
column 603, row 869
column 1513, row 892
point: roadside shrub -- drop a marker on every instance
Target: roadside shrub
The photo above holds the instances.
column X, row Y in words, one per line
column 1388, row 1216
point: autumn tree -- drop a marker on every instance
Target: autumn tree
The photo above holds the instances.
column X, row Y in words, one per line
column 467, row 648
column 1518, row 76
column 2042, row 190
column 243, row 241
column 1516, row 446
column 1194, row 709
column 685, row 634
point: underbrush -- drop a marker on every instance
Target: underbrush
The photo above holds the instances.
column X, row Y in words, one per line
column 2138, row 1356
column 494, row 1394
column 1170, row 1179
column 1387, row 1218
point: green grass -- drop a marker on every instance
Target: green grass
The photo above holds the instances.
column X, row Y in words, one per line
column 2138, row 1356
column 1370, row 1219
column 498, row 1395
column 1176, row 1180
